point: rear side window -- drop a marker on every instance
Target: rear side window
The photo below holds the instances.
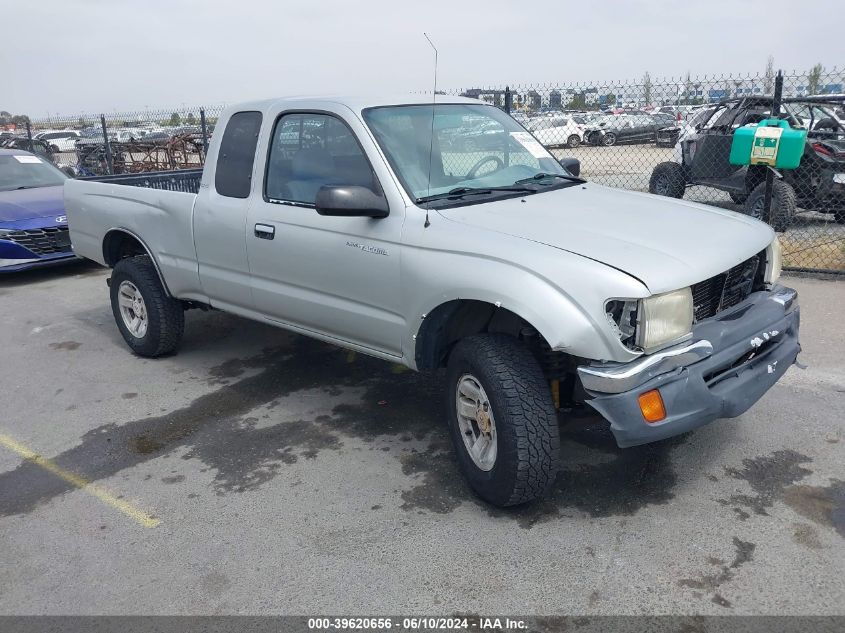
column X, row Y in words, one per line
column 237, row 154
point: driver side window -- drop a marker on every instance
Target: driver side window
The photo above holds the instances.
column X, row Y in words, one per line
column 309, row 151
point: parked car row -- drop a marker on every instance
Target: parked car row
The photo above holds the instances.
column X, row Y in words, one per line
column 572, row 129
column 35, row 145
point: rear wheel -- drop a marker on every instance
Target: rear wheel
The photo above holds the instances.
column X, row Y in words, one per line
column 668, row 179
column 151, row 322
column 783, row 204
column 573, row 141
column 502, row 420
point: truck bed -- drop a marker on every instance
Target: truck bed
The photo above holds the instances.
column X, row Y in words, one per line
column 155, row 207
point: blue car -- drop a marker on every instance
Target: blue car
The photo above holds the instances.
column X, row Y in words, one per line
column 33, row 225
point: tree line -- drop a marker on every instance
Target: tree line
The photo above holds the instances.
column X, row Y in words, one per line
column 7, row 118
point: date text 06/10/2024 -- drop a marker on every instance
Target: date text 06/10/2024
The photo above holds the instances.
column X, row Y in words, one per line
column 417, row 623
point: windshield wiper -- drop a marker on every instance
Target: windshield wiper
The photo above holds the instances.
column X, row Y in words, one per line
column 544, row 175
column 460, row 192
column 24, row 187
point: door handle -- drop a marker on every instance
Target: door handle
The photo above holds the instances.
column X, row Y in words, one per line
column 265, row 231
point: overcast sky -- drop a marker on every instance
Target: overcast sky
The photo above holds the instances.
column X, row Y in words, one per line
column 106, row 55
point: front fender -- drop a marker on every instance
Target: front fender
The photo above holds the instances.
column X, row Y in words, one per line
column 567, row 311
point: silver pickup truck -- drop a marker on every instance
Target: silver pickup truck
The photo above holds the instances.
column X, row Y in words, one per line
column 443, row 235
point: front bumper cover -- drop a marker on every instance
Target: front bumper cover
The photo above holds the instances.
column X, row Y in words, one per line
column 735, row 357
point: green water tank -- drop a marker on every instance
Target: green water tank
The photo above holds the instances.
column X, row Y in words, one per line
column 771, row 142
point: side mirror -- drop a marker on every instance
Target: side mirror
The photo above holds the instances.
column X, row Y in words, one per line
column 350, row 201
column 572, row 165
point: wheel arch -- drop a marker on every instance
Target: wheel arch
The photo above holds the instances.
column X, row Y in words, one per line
column 454, row 320
column 120, row 243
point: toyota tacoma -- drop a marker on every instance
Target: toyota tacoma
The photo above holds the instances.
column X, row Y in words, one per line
column 371, row 225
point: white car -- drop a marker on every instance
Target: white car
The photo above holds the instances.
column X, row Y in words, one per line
column 60, row 140
column 127, row 135
column 558, row 131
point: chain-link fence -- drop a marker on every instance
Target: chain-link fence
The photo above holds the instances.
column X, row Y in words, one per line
column 120, row 142
column 669, row 137
column 674, row 137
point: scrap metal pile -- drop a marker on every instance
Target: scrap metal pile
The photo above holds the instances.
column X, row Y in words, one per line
column 183, row 151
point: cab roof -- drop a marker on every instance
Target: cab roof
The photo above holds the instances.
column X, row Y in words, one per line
column 355, row 103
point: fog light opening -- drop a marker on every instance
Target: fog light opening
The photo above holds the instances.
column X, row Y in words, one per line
column 651, row 406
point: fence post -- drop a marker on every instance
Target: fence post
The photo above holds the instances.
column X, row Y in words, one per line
column 770, row 174
column 109, row 160
column 507, row 99
column 204, row 134
column 29, row 135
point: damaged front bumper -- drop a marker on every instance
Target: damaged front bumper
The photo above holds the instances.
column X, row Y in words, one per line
column 733, row 359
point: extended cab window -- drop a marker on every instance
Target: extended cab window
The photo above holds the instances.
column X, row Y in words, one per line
column 309, row 151
column 237, row 153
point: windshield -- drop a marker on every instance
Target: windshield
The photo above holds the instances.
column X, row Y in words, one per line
column 25, row 171
column 476, row 149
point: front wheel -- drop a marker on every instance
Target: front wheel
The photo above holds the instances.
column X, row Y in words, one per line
column 573, row 141
column 783, row 204
column 502, row 420
column 151, row 322
column 609, row 139
column 668, row 179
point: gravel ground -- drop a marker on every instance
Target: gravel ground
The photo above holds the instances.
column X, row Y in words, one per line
column 261, row 472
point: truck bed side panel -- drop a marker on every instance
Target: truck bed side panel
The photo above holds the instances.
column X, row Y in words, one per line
column 161, row 219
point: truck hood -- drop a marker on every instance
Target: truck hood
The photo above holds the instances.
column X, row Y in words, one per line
column 663, row 242
column 25, row 204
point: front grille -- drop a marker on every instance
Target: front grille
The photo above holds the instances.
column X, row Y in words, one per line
column 727, row 289
column 41, row 241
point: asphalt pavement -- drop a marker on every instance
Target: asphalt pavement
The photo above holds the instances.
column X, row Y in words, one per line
column 260, row 472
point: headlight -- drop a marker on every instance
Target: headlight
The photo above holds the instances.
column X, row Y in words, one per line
column 774, row 262
column 664, row 318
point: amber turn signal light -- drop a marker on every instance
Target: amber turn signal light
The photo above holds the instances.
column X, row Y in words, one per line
column 651, row 405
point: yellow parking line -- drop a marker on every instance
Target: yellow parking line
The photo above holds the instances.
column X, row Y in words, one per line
column 80, row 482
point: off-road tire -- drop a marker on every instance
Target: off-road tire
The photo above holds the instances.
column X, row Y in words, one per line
column 573, row 141
column 668, row 179
column 165, row 315
column 528, row 438
column 783, row 204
